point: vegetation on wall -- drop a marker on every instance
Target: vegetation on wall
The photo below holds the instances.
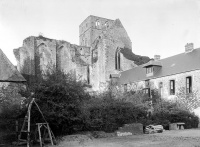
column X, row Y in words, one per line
column 139, row 60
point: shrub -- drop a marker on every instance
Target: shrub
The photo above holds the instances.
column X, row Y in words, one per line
column 169, row 112
column 60, row 97
column 110, row 114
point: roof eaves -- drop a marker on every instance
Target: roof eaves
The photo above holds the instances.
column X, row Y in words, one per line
column 154, row 77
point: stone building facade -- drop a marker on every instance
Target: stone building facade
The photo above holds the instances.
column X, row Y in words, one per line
column 94, row 61
column 172, row 76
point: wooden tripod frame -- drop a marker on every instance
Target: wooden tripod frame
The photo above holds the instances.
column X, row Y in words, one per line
column 27, row 122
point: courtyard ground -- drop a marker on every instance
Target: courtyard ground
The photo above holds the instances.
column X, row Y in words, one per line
column 175, row 138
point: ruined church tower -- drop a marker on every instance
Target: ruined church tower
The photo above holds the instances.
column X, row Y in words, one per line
column 106, row 38
column 91, row 28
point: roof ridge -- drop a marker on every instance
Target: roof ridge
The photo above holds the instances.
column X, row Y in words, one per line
column 8, row 71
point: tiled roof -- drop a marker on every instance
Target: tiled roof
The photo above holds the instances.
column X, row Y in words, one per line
column 8, row 73
column 180, row 63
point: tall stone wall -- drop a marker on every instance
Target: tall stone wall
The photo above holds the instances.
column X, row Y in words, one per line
column 97, row 64
column 40, row 54
column 92, row 64
column 25, row 56
column 45, row 54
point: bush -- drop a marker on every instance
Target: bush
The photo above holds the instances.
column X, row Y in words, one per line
column 69, row 108
column 169, row 112
column 110, row 114
column 59, row 97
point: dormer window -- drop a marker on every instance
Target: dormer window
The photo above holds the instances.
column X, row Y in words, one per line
column 152, row 67
column 149, row 71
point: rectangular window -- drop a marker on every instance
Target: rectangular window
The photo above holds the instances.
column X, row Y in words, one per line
column 188, row 84
column 172, row 87
column 149, row 70
column 147, row 83
column 88, row 74
column 146, row 91
column 125, row 87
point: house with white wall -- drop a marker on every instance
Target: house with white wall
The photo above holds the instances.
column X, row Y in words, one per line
column 169, row 75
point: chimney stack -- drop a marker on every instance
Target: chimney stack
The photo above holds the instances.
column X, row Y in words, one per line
column 156, row 57
column 189, row 47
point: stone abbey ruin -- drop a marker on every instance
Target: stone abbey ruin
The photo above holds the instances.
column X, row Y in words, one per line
column 104, row 50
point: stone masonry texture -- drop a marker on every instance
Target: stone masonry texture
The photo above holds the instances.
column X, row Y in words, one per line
column 92, row 61
column 180, row 82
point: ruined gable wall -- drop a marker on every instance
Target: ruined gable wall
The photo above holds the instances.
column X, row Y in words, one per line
column 110, row 48
column 38, row 54
column 118, row 38
column 45, row 53
column 118, row 33
column 104, row 49
column 25, row 55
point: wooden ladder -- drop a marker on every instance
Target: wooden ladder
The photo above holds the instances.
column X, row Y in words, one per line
column 25, row 130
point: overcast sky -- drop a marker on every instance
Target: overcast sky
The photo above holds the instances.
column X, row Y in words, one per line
column 160, row 27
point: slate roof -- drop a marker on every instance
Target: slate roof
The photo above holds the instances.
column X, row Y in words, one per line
column 8, row 72
column 180, row 63
column 114, row 75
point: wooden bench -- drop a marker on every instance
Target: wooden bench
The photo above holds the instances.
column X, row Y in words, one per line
column 180, row 125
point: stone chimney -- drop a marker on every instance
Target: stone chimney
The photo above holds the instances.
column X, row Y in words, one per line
column 189, row 47
column 156, row 57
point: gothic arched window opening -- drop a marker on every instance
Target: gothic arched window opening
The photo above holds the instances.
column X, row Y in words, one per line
column 97, row 23
column 106, row 25
column 117, row 60
column 88, row 74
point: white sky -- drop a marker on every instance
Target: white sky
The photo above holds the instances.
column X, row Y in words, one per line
column 160, row 27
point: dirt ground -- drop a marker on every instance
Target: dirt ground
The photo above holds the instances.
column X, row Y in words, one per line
column 178, row 138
